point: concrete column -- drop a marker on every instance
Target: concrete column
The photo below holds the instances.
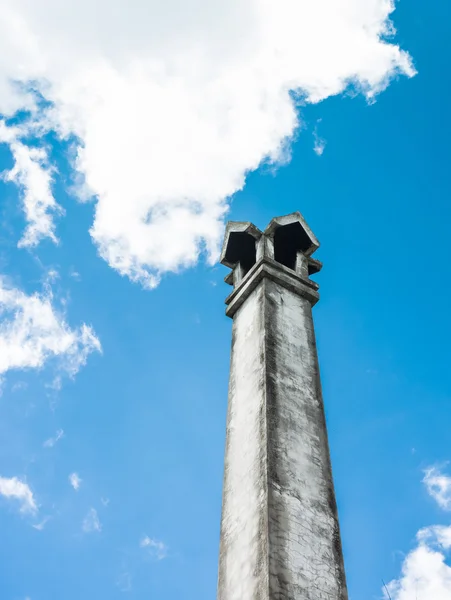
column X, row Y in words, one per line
column 280, row 536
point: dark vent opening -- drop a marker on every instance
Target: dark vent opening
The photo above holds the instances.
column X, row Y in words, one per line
column 242, row 249
column 288, row 240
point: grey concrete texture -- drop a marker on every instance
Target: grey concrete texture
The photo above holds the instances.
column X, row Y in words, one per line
column 280, row 536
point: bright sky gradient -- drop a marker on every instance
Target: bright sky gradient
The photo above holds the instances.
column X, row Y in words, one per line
column 128, row 133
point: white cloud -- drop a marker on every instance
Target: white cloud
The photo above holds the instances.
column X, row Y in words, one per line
column 154, row 547
column 91, row 522
column 33, row 332
column 174, row 103
column 32, row 173
column 75, row 481
column 438, row 486
column 426, row 570
column 53, row 440
column 16, row 489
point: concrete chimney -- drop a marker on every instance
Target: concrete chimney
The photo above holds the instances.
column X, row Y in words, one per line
column 280, row 537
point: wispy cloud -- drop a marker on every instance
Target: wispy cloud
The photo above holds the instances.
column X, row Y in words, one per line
column 32, row 173
column 40, row 526
column 53, row 440
column 124, row 581
column 52, row 275
column 155, row 548
column 319, row 144
column 33, row 332
column 15, row 489
column 75, row 481
column 19, row 386
column 438, row 485
column 74, row 274
column 91, row 522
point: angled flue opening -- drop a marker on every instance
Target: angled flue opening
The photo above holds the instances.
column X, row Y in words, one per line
column 288, row 241
column 242, row 248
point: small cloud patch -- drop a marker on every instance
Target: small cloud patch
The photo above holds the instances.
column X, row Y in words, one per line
column 53, row 440
column 155, row 548
column 75, row 481
column 91, row 522
column 40, row 526
column 438, row 486
column 15, row 489
column 319, row 144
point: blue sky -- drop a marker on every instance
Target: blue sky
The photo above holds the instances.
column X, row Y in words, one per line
column 114, row 343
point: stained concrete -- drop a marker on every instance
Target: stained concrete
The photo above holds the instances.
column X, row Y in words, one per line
column 280, row 536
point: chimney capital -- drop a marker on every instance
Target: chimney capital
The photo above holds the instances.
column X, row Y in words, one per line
column 283, row 251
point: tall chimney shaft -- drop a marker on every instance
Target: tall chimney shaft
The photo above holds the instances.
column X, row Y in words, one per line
column 280, row 536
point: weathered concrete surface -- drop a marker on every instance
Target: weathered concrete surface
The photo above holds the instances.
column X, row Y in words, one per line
column 243, row 569
column 304, row 540
column 279, row 535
